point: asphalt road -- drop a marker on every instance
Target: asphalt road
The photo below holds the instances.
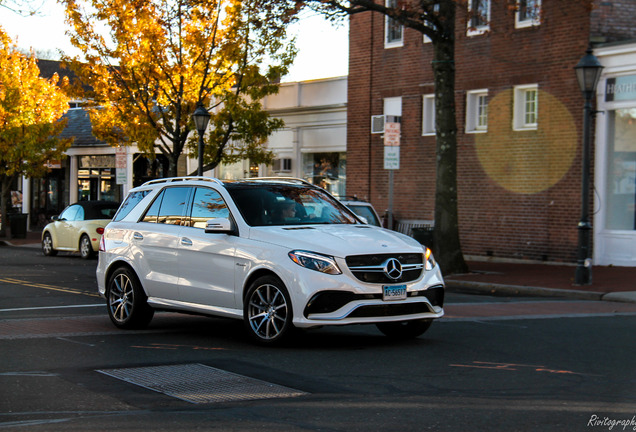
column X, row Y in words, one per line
column 493, row 364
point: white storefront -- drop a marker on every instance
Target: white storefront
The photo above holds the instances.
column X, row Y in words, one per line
column 313, row 143
column 615, row 158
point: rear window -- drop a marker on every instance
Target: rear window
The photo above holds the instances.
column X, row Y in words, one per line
column 130, row 203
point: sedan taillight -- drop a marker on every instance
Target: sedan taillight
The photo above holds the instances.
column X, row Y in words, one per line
column 102, row 244
column 100, row 230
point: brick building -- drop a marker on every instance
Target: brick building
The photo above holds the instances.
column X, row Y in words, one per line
column 519, row 119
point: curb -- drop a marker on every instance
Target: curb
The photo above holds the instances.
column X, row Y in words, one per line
column 490, row 288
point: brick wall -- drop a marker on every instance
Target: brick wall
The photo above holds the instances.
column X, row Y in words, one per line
column 519, row 192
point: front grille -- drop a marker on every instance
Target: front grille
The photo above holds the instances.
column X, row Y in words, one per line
column 389, row 310
column 329, row 301
column 370, row 268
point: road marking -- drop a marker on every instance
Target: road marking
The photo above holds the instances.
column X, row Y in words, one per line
column 51, row 307
column 46, row 286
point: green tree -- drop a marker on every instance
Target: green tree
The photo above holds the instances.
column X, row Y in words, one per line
column 162, row 57
column 31, row 110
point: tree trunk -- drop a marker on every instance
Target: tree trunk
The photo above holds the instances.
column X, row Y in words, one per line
column 448, row 250
column 5, row 197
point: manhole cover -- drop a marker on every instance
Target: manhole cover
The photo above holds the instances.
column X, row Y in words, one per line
column 197, row 383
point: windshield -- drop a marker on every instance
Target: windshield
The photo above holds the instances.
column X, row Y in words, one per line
column 274, row 204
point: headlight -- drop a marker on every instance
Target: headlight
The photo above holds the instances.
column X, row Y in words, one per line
column 313, row 261
column 429, row 260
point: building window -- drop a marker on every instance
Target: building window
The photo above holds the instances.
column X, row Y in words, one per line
column 528, row 13
column 526, row 107
column 394, row 31
column 428, row 114
column 621, row 172
column 327, row 170
column 477, row 111
column 479, row 17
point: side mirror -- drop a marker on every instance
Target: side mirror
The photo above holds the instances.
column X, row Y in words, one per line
column 363, row 219
column 55, row 218
column 219, row 225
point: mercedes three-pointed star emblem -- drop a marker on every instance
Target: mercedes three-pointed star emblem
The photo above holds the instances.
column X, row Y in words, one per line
column 393, row 269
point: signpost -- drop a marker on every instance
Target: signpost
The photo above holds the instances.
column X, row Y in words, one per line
column 392, row 129
column 120, row 165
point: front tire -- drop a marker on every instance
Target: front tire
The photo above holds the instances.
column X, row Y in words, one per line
column 47, row 245
column 267, row 311
column 126, row 300
column 86, row 247
column 404, row 329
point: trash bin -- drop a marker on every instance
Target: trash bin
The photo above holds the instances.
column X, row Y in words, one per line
column 424, row 235
column 18, row 224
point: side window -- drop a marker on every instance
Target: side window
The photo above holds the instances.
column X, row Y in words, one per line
column 130, row 203
column 207, row 204
column 153, row 212
column 70, row 213
column 79, row 216
column 169, row 207
column 173, row 206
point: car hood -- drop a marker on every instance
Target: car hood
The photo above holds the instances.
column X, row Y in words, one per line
column 337, row 240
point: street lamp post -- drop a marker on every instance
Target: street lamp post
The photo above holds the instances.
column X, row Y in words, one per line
column 588, row 72
column 201, row 117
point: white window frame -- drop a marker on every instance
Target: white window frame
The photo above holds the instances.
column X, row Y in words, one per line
column 477, row 111
column 387, row 24
column 523, row 118
column 428, row 114
column 478, row 30
column 530, row 20
column 393, row 106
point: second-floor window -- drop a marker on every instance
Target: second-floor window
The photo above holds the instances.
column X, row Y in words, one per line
column 528, row 13
column 428, row 114
column 479, row 17
column 393, row 30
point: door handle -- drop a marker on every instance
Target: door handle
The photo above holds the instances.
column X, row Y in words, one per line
column 186, row 241
column 138, row 236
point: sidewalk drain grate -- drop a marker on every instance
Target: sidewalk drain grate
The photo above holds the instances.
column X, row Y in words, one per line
column 199, row 384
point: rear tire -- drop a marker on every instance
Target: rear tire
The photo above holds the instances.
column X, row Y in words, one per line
column 86, row 247
column 47, row 245
column 404, row 329
column 126, row 300
column 267, row 311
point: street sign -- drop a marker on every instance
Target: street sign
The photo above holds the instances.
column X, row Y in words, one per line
column 392, row 134
column 120, row 165
column 391, row 145
column 391, row 158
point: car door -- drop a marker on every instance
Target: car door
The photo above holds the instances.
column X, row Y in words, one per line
column 156, row 240
column 64, row 226
column 207, row 260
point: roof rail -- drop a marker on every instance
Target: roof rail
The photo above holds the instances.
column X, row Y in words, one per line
column 282, row 179
column 186, row 178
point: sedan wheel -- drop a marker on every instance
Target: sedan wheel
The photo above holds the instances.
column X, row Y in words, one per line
column 404, row 329
column 47, row 245
column 86, row 247
column 268, row 310
column 127, row 302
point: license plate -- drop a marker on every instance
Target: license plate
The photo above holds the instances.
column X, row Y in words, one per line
column 395, row 292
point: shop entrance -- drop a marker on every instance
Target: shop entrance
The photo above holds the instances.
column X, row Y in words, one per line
column 96, row 179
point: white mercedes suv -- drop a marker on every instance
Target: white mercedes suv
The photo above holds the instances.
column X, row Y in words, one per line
column 278, row 253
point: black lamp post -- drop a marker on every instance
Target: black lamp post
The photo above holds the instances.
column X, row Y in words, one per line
column 588, row 72
column 201, row 117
